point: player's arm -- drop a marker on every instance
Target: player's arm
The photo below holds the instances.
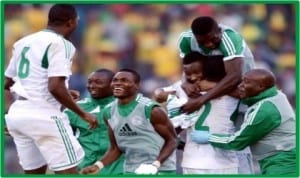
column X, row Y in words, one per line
column 58, row 69
column 225, row 86
column 233, row 69
column 255, row 127
column 232, row 48
column 205, row 85
column 114, row 151
column 7, row 94
column 8, row 83
column 111, row 155
column 161, row 96
column 165, row 129
column 57, row 87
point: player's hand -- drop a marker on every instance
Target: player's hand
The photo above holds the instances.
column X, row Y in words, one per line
column 93, row 169
column 75, row 95
column 192, row 105
column 91, row 119
column 146, row 169
column 6, row 131
column 200, row 136
column 190, row 89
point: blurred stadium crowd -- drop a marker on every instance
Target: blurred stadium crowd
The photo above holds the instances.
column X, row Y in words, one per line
column 145, row 37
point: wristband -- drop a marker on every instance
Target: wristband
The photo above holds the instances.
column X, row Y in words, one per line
column 99, row 164
column 156, row 164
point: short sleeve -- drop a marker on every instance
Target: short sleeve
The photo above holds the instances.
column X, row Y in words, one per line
column 184, row 43
column 231, row 45
column 60, row 55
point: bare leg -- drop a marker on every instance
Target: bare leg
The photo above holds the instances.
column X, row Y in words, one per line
column 40, row 170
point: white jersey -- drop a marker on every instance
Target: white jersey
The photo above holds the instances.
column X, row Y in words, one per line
column 214, row 115
column 37, row 57
column 232, row 45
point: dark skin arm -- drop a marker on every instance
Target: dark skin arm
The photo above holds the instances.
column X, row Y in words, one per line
column 165, row 129
column 111, row 155
column 161, row 96
column 8, row 97
column 233, row 76
column 8, row 83
column 57, row 87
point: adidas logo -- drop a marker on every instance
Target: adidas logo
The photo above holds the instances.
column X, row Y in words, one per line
column 126, row 131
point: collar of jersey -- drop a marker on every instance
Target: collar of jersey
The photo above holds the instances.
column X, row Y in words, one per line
column 264, row 94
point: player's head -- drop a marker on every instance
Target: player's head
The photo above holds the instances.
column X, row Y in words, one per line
column 207, row 32
column 214, row 69
column 99, row 82
column 193, row 66
column 255, row 81
column 63, row 19
column 125, row 83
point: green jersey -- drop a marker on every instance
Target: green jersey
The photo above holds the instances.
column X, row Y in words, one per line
column 135, row 135
column 269, row 129
column 232, row 45
column 94, row 142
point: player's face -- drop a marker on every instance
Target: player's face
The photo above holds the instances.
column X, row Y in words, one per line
column 124, row 85
column 249, row 86
column 212, row 40
column 193, row 72
column 99, row 85
column 72, row 25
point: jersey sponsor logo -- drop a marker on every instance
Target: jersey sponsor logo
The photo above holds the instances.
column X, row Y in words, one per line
column 126, row 131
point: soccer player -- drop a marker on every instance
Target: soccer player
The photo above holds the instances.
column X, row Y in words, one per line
column 214, row 115
column 210, row 38
column 95, row 142
column 139, row 128
column 268, row 127
column 37, row 74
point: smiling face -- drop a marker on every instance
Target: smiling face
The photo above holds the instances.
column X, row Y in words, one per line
column 124, row 85
column 99, row 85
column 254, row 82
column 193, row 71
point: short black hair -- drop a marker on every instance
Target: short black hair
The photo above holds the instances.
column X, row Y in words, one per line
column 214, row 69
column 110, row 74
column 137, row 77
column 203, row 25
column 193, row 56
column 61, row 13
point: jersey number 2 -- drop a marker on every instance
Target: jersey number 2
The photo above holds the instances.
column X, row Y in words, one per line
column 23, row 71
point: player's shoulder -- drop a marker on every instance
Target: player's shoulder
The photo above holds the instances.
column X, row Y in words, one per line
column 54, row 37
column 26, row 39
column 145, row 100
column 186, row 34
column 229, row 31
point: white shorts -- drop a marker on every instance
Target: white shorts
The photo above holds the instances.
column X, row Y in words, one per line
column 42, row 136
column 210, row 171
